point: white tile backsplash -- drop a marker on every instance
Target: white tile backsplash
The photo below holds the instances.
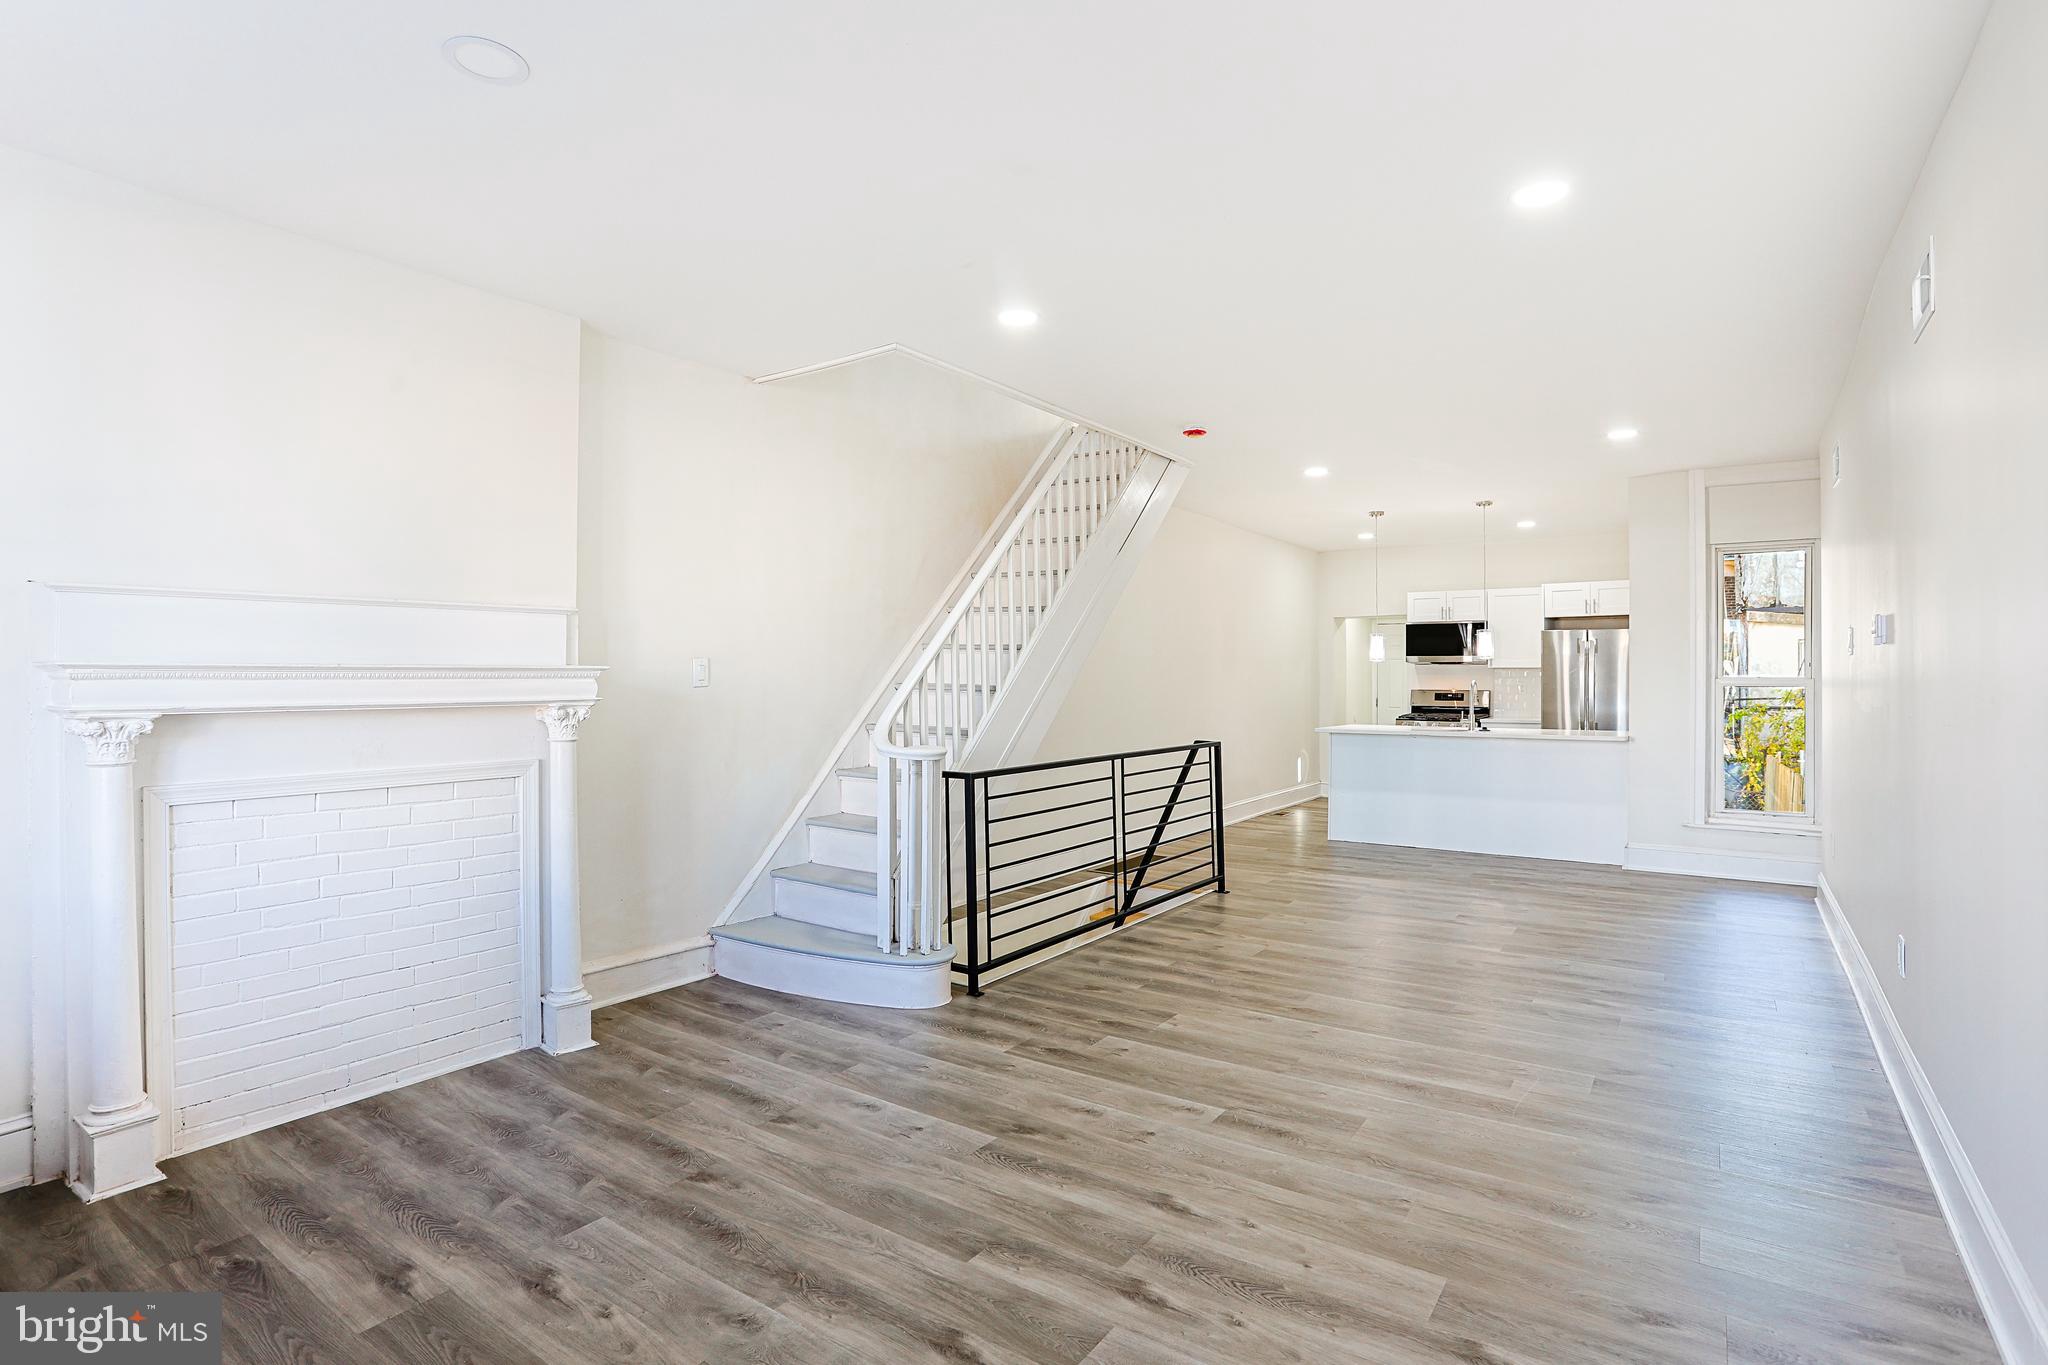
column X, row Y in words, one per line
column 1517, row 692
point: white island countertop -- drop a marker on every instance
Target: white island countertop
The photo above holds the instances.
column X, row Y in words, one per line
column 1499, row 730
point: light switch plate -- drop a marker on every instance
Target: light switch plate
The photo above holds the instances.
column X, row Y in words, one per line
column 1881, row 628
column 1923, row 291
column 700, row 672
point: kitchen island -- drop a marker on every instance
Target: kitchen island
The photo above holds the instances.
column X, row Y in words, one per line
column 1524, row 792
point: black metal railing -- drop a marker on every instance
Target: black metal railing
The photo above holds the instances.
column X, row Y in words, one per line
column 1048, row 852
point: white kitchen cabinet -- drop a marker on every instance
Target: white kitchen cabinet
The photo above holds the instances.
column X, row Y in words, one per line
column 1609, row 598
column 1516, row 619
column 1567, row 599
column 1465, row 604
column 1452, row 604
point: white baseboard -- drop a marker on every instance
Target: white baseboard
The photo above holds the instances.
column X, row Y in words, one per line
column 226, row 1130
column 1234, row 811
column 2018, row 1319
column 647, row 970
column 17, row 1140
column 1728, row 863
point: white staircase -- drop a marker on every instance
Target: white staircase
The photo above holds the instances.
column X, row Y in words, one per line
column 979, row 690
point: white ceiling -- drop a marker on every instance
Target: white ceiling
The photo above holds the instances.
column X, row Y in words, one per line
column 1286, row 222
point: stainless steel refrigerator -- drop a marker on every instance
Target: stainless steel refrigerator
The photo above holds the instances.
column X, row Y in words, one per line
column 1585, row 679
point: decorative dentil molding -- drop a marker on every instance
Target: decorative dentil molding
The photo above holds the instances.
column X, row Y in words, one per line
column 562, row 720
column 109, row 740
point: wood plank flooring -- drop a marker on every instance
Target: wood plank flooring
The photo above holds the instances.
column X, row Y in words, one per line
column 1376, row 1105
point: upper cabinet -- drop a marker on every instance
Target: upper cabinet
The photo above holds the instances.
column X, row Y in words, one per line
column 1516, row 619
column 1608, row 598
column 1456, row 604
column 1429, row 606
column 1466, row 604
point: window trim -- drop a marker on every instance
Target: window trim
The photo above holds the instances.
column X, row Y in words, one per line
column 1719, row 684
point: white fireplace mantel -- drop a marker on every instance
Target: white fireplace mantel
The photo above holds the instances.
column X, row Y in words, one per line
column 97, row 689
column 106, row 711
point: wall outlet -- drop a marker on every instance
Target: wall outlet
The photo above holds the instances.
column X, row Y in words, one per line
column 1902, row 955
column 700, row 672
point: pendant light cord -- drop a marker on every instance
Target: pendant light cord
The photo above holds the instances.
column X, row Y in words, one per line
column 1485, row 585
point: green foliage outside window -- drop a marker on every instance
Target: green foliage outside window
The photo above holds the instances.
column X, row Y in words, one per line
column 1759, row 729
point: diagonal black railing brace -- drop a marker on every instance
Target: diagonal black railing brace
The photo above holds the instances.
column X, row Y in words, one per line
column 1187, row 766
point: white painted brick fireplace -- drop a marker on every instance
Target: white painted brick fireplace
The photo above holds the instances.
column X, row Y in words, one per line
column 295, row 852
column 332, row 941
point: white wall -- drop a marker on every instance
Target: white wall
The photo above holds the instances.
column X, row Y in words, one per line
column 1935, row 800
column 1667, row 630
column 1213, row 639
column 191, row 400
column 794, row 534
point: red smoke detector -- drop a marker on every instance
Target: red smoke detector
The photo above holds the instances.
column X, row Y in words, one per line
column 1193, row 432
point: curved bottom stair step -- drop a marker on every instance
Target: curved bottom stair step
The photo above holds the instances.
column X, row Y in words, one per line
column 797, row 958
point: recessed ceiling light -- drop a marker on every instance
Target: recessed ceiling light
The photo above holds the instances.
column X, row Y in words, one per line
column 486, row 59
column 1622, row 433
column 1541, row 194
column 1315, row 471
column 1365, row 535
column 1525, row 526
column 1018, row 317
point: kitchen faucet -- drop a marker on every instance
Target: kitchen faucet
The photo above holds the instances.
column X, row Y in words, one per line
column 1472, row 721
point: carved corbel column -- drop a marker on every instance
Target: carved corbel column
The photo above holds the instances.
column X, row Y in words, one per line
column 117, row 1136
column 564, row 1004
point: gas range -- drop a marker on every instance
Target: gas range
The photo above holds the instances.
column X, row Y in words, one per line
column 1446, row 708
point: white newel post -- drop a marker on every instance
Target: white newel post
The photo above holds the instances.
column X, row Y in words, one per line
column 117, row 1137
column 564, row 1004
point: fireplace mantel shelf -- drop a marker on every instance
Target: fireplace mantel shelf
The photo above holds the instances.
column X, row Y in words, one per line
column 104, row 689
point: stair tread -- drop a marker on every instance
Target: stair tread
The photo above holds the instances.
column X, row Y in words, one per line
column 797, row 936
column 866, row 774
column 864, row 824
column 824, row 874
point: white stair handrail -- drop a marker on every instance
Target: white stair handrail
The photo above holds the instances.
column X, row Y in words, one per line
column 958, row 676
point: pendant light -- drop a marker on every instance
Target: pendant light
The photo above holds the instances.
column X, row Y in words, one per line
column 1483, row 646
column 1376, row 648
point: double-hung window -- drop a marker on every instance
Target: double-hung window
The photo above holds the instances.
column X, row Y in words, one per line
column 1761, row 767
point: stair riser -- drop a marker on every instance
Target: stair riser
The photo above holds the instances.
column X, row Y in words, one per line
column 857, row 795
column 827, row 906
column 855, row 983
column 843, row 848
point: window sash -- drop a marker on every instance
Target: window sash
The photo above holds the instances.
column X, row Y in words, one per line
column 1721, row 684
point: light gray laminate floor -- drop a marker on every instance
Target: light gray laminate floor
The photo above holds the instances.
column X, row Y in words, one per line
column 1375, row 1105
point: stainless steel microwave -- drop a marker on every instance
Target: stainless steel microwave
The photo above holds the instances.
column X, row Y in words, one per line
column 1444, row 642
